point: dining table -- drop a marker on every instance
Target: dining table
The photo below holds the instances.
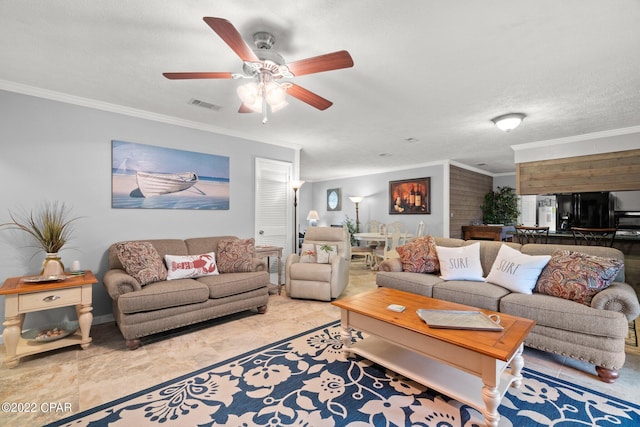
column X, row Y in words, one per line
column 380, row 238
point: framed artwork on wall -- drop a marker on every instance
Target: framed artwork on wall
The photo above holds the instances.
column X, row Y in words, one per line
column 150, row 177
column 410, row 196
column 334, row 199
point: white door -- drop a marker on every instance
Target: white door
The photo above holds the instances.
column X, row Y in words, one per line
column 274, row 204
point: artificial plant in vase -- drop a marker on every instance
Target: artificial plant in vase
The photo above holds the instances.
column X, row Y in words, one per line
column 500, row 206
column 51, row 228
column 351, row 227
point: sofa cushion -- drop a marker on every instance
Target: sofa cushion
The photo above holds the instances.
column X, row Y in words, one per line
column 186, row 266
column 227, row 284
column 475, row 294
column 461, row 263
column 141, row 261
column 236, row 255
column 558, row 313
column 577, row 276
column 419, row 255
column 164, row 294
column 516, row 271
column 311, row 272
column 417, row 283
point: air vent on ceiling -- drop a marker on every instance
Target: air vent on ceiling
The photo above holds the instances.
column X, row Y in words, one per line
column 205, row 104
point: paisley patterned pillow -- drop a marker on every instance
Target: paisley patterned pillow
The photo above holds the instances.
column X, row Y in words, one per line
column 577, row 276
column 236, row 255
column 141, row 261
column 419, row 255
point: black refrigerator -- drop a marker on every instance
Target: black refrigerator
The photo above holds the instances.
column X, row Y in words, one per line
column 593, row 210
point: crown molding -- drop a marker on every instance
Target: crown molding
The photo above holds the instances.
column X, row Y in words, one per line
column 127, row 111
column 577, row 138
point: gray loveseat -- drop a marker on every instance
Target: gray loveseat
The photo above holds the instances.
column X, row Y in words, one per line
column 595, row 333
column 163, row 305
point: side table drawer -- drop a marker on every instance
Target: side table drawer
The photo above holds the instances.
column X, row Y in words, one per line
column 49, row 299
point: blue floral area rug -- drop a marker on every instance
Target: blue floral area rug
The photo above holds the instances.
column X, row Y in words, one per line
column 306, row 381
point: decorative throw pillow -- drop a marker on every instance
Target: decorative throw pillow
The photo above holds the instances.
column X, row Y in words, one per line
column 325, row 252
column 308, row 253
column 141, row 261
column 516, row 271
column 461, row 263
column 419, row 255
column 577, row 276
column 183, row 267
column 236, row 255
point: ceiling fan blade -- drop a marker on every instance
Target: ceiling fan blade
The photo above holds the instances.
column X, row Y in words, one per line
column 245, row 109
column 309, row 97
column 317, row 64
column 196, row 75
column 232, row 37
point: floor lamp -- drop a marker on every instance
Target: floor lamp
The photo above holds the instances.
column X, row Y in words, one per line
column 295, row 185
column 357, row 200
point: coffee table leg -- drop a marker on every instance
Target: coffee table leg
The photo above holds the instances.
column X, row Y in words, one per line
column 347, row 340
column 516, row 367
column 492, row 399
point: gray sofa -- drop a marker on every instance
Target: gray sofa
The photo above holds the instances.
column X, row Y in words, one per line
column 595, row 334
column 160, row 306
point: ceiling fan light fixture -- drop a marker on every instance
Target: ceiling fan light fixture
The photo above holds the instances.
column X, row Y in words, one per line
column 275, row 93
column 508, row 122
column 248, row 93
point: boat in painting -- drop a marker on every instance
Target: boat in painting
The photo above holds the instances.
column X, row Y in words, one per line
column 153, row 184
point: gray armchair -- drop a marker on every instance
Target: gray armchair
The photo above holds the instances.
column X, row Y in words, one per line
column 308, row 279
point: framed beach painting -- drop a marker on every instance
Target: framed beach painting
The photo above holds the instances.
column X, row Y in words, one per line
column 410, row 196
column 150, row 177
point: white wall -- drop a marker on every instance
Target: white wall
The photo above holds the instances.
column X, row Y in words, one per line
column 62, row 152
column 375, row 206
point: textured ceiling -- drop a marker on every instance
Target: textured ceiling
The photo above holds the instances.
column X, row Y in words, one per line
column 434, row 71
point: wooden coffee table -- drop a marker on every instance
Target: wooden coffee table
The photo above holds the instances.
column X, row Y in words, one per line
column 467, row 365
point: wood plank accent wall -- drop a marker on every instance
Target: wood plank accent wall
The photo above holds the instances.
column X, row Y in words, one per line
column 466, row 195
column 617, row 171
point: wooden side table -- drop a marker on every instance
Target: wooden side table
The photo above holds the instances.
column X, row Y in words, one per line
column 21, row 297
column 267, row 251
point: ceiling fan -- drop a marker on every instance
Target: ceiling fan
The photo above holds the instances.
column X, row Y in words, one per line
column 266, row 68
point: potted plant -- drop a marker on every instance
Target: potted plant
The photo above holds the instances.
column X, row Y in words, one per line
column 351, row 227
column 500, row 207
column 50, row 227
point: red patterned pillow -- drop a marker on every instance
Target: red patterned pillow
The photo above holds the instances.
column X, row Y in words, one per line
column 236, row 255
column 141, row 261
column 186, row 266
column 419, row 255
column 576, row 276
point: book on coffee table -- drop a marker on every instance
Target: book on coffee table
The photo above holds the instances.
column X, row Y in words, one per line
column 460, row 319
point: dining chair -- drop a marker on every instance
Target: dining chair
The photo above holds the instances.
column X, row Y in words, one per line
column 398, row 225
column 392, row 241
column 594, row 236
column 531, row 234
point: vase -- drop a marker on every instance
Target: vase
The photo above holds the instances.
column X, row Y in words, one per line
column 52, row 265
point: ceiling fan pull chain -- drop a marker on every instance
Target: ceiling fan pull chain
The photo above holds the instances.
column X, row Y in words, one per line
column 264, row 110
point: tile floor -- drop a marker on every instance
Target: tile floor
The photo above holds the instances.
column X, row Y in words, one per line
column 107, row 370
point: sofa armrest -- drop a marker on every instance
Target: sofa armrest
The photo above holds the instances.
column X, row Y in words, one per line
column 259, row 264
column 118, row 282
column 391, row 264
column 618, row 297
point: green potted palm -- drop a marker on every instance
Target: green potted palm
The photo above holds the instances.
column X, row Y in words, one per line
column 51, row 228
